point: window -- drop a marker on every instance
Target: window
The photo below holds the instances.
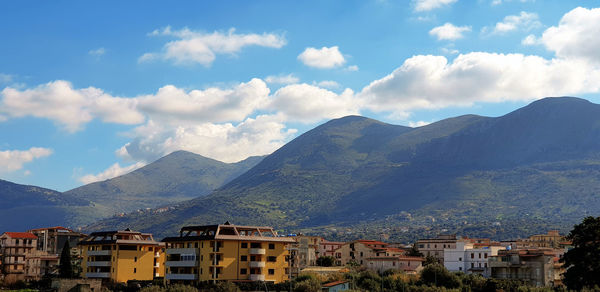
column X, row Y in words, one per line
column 252, row 258
column 485, row 265
column 472, row 255
column 472, row 265
column 243, row 271
column 195, row 244
column 244, row 245
column 421, row 245
column 479, row 255
column 435, row 246
column 460, row 268
column 134, row 270
column 485, row 255
column 244, row 258
column 460, row 259
column 271, row 246
column 361, row 253
column 271, row 259
column 135, row 259
column 271, row 271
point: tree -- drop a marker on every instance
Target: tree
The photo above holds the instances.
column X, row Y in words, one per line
column 326, row 261
column 414, row 252
column 430, row 260
column 65, row 270
column 583, row 261
column 437, row 275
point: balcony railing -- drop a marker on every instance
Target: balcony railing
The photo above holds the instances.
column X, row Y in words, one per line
column 256, row 264
column 257, row 277
column 97, row 275
column 182, row 251
column 98, row 252
column 99, row 264
column 259, row 251
column 181, row 263
column 181, row 276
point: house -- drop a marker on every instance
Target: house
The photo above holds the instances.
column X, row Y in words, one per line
column 435, row 246
column 359, row 251
column 52, row 239
column 470, row 258
column 407, row 264
column 534, row 266
column 328, row 248
column 227, row 252
column 121, row 256
column 335, row 286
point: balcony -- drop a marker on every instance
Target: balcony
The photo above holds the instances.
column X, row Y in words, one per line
column 156, row 255
column 181, row 277
column 157, row 265
column 97, row 275
column 257, row 251
column 182, row 251
column 98, row 264
column 257, row 277
column 257, row 264
column 98, row 252
column 181, row 263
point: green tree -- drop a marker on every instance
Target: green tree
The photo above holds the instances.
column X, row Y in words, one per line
column 326, row 261
column 414, row 252
column 65, row 269
column 583, row 261
column 437, row 275
column 430, row 260
column 308, row 285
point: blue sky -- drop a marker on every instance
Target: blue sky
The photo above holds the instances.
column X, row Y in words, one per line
column 91, row 90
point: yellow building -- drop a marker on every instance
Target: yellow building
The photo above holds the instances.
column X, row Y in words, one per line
column 227, row 252
column 121, row 256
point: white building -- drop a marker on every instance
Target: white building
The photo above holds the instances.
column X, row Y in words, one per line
column 470, row 258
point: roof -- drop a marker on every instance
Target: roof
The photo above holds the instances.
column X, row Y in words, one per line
column 21, row 235
column 51, row 228
column 228, row 231
column 119, row 237
column 331, row 284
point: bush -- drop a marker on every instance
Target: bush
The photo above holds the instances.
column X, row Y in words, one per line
column 308, row 285
column 437, row 275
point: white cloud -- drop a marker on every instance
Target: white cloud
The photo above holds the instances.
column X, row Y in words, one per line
column 113, row 171
column 323, row 58
column 328, row 84
column 193, row 47
column 97, row 52
column 6, row 78
column 498, row 2
column 282, row 79
column 71, row 108
column 432, row 82
column 427, row 5
column 11, row 160
column 225, row 142
column 524, row 21
column 352, row 68
column 418, row 124
column 530, row 40
column 175, row 106
column 307, row 103
column 576, row 36
column 449, row 31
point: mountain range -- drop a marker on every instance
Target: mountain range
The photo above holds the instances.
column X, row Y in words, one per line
column 535, row 168
column 530, row 170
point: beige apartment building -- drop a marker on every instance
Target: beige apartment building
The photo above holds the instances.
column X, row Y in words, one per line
column 407, row 264
column 328, row 248
column 435, row 246
column 359, row 251
column 536, row 267
column 16, row 248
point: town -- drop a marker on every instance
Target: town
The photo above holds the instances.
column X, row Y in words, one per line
column 252, row 254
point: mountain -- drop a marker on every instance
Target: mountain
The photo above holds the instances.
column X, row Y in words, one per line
column 176, row 177
column 535, row 168
column 24, row 207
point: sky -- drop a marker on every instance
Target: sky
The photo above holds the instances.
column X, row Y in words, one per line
column 90, row 90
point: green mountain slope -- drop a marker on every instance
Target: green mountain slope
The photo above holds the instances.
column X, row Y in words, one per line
column 531, row 169
column 176, row 177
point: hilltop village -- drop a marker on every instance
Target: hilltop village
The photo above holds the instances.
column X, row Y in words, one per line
column 246, row 254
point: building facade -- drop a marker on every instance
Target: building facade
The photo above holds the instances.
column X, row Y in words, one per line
column 328, row 248
column 16, row 248
column 532, row 266
column 470, row 258
column 358, row 251
column 435, row 246
column 407, row 264
column 121, row 256
column 227, row 252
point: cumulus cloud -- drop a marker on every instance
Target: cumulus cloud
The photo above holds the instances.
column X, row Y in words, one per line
column 576, row 36
column 427, row 5
column 111, row 172
column 194, row 47
column 352, row 68
column 418, row 124
column 434, row 82
column 328, row 84
column 282, row 79
column 524, row 21
column 69, row 107
column 226, row 142
column 323, row 58
column 11, row 160
column 449, row 31
column 308, row 103
column 530, row 40
column 498, row 2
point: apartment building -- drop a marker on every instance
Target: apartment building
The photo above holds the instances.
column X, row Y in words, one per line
column 39, row 263
column 552, row 239
column 435, row 246
column 407, row 264
column 306, row 248
column 359, row 251
column 52, row 239
column 121, row 256
column 470, row 258
column 15, row 248
column 532, row 266
column 227, row 252
column 328, row 248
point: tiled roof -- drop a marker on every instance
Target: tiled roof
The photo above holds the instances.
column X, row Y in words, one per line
column 21, row 235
